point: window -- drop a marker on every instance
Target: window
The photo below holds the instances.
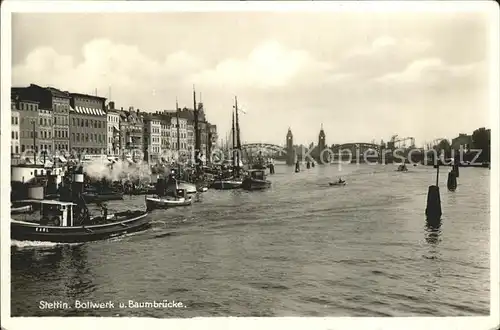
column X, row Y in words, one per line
column 91, row 140
column 45, row 121
column 74, row 122
column 78, row 137
column 41, row 121
column 17, row 149
column 73, row 136
column 55, row 120
column 17, row 135
column 31, row 134
column 50, row 122
column 78, row 121
column 86, row 123
column 87, row 137
column 50, row 135
column 23, row 148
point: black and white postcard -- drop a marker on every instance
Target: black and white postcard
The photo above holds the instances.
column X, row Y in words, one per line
column 250, row 164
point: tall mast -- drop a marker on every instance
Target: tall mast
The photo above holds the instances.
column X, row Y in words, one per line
column 238, row 138
column 196, row 133
column 178, row 137
column 234, row 142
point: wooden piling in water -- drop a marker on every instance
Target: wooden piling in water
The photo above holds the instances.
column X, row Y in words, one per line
column 433, row 210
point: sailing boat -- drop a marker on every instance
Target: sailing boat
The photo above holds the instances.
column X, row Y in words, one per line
column 235, row 181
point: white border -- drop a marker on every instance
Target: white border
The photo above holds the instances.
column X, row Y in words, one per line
column 490, row 8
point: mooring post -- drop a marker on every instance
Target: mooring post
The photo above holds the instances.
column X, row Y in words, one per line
column 433, row 209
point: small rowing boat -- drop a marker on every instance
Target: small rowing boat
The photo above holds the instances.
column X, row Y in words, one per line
column 340, row 184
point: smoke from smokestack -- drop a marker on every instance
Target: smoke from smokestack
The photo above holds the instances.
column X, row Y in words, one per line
column 118, row 171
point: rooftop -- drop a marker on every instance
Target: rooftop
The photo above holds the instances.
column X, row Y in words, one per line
column 88, row 96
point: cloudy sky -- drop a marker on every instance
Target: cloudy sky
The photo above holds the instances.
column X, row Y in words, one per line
column 363, row 76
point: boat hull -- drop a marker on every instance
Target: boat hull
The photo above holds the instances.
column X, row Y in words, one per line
column 226, row 184
column 337, row 184
column 96, row 198
column 251, row 184
column 163, row 203
column 134, row 222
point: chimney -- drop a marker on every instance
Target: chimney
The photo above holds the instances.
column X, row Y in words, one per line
column 122, row 109
column 111, row 105
column 137, row 111
column 131, row 109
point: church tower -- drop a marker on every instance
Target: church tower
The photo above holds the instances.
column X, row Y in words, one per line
column 290, row 152
column 323, row 157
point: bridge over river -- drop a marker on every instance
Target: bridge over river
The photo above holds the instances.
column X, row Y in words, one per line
column 292, row 153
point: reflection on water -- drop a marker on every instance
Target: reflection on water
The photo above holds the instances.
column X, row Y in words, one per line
column 63, row 268
column 433, row 234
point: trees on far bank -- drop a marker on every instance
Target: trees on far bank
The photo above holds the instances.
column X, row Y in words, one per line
column 481, row 140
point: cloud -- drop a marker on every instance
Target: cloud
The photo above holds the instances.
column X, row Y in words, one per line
column 432, row 72
column 383, row 55
column 268, row 65
column 279, row 86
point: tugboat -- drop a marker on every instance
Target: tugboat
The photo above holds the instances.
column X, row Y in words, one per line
column 256, row 180
column 168, row 194
column 71, row 222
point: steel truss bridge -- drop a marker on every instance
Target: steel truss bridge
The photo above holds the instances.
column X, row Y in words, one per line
column 272, row 149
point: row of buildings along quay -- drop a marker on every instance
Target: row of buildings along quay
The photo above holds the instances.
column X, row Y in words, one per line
column 51, row 121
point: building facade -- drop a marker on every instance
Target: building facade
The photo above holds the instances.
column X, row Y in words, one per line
column 60, row 105
column 190, row 135
column 165, row 137
column 131, row 129
column 45, row 130
column 113, row 130
column 88, row 124
column 15, row 146
column 55, row 104
column 28, row 126
column 152, row 137
column 182, row 147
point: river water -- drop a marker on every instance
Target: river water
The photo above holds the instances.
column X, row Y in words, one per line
column 302, row 248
